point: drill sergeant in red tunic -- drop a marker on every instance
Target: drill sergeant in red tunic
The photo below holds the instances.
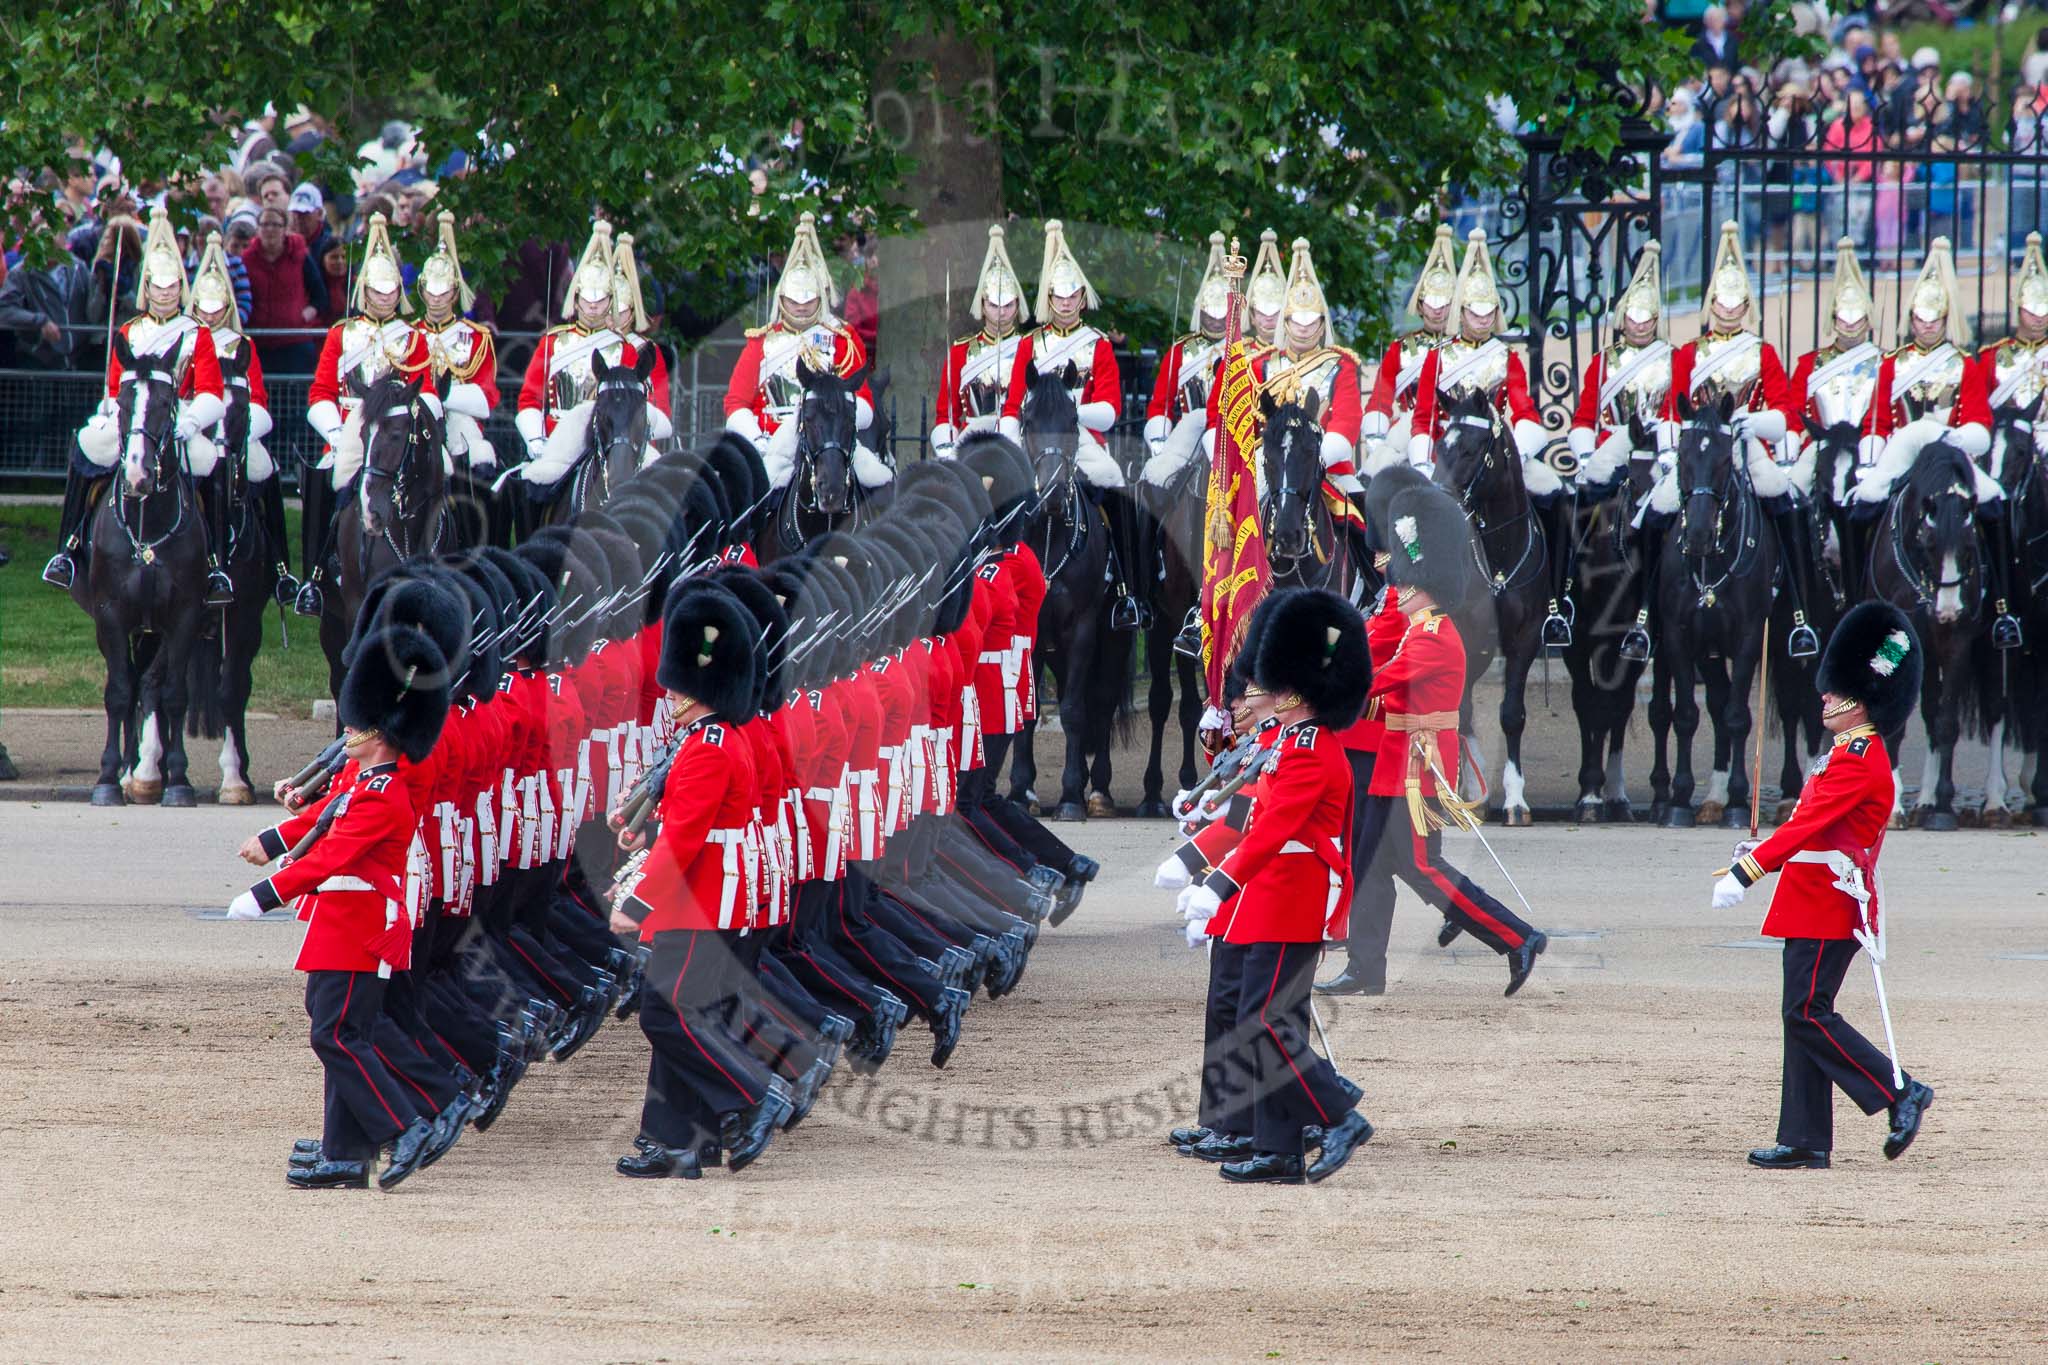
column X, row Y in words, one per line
column 1827, row 902
column 1288, row 884
column 350, row 885
column 702, row 1087
column 1416, row 694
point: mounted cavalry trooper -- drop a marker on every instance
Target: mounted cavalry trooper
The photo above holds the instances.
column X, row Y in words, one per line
column 1730, row 361
column 1389, row 411
column 460, row 354
column 1265, row 293
column 1062, row 339
column 605, row 318
column 1931, row 389
column 766, row 388
column 212, row 305
column 364, row 347
column 2016, row 372
column 976, row 376
column 1833, row 384
column 164, row 334
column 1620, row 403
column 1175, row 417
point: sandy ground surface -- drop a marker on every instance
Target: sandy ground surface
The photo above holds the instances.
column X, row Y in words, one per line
column 1555, row 1177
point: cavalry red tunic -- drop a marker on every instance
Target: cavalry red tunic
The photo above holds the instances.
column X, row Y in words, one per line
column 747, row 391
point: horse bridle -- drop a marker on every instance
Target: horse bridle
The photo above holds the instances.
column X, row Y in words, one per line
column 1270, row 504
column 1927, row 588
column 1533, row 545
column 618, row 377
column 154, row 445
column 415, row 437
column 1745, row 501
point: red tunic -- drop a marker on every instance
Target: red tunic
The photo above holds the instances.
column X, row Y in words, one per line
column 1972, row 406
column 534, row 393
column 201, row 364
column 1292, row 878
column 1103, row 384
column 327, row 384
column 746, row 391
column 1772, row 389
column 695, row 876
column 350, row 885
column 1425, row 675
column 1844, row 808
column 1383, row 632
column 1511, row 399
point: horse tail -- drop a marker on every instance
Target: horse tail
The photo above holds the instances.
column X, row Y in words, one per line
column 205, row 717
column 1115, row 675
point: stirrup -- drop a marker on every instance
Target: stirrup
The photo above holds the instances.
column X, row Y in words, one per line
column 308, row 602
column 1128, row 614
column 1557, row 632
column 220, row 589
column 287, row 588
column 60, row 572
column 2005, row 630
column 1635, row 641
column 1189, row 642
column 1802, row 643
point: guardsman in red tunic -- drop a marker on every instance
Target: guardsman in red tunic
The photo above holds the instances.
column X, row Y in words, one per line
column 172, row 341
column 372, row 342
column 703, row 1088
column 1416, row 695
column 350, row 882
column 1060, row 340
column 1178, row 413
column 1395, row 385
column 976, row 375
column 1827, row 901
column 1287, row 884
column 766, row 387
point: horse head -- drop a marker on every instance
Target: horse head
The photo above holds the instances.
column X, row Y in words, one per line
column 147, row 418
column 826, row 420
column 1834, row 460
column 402, row 475
column 1937, row 517
column 618, row 417
column 234, row 421
column 1291, row 453
column 2013, row 448
column 1052, row 424
column 1473, row 445
column 1708, row 480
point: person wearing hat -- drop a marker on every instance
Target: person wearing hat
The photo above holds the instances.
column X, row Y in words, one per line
column 629, row 320
column 164, row 332
column 766, row 387
column 1625, row 384
column 1416, row 695
column 1062, row 340
column 1385, row 423
column 1832, row 388
column 1477, row 361
column 212, row 304
column 1177, row 413
column 702, row 1088
column 976, row 376
column 372, row 342
column 462, row 359
column 1265, row 292
column 1827, row 900
column 1285, row 886
column 348, row 876
column 2015, row 370
column 561, row 378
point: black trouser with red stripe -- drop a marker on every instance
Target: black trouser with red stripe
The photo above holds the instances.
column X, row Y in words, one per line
column 366, row 1106
column 1034, row 838
column 1418, row 861
column 697, row 1073
column 1292, row 1087
column 1821, row 1050
column 877, row 953
column 1372, row 878
column 815, row 962
column 1226, row 1105
column 767, row 1029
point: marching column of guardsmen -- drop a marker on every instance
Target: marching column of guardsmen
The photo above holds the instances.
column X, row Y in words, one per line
column 625, row 770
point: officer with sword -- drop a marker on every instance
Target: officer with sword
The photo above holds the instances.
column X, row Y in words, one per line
column 1828, row 901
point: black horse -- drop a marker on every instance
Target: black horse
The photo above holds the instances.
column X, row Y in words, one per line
column 222, row 666
column 1928, row 558
column 1089, row 662
column 2023, row 673
column 399, row 511
column 1478, row 464
column 1716, row 578
column 822, row 494
column 1172, row 570
column 1607, row 585
column 614, row 443
column 1307, row 544
column 145, row 592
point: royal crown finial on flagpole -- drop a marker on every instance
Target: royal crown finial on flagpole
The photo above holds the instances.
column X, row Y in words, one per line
column 1234, row 266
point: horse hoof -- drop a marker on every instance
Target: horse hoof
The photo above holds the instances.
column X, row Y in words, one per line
column 1070, row 811
column 1969, row 817
column 1679, row 817
column 1516, row 817
column 1915, row 818
column 1154, row 808
column 1619, row 812
column 1658, row 810
column 1940, row 821
column 1100, row 806
column 1997, row 817
column 145, row 793
column 1733, row 818
column 241, row 794
column 108, row 794
column 1782, row 812
column 1711, row 812
column 1590, row 812
column 1900, row 820
column 180, row 797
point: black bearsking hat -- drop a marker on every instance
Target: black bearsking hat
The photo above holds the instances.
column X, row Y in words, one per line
column 1005, row 471
column 533, row 598
column 480, row 678
column 415, row 595
column 397, row 684
column 1378, row 493
column 1429, row 545
column 751, row 590
column 708, row 643
column 1874, row 657
column 742, row 480
column 1237, row 675
column 1313, row 644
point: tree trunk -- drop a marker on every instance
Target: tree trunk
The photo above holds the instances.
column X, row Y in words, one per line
column 954, row 189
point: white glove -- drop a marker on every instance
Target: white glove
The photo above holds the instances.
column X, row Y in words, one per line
column 1198, row 902
column 244, row 906
column 1728, row 892
column 536, row 448
column 1196, row 932
column 1745, row 847
column 1172, row 874
column 188, row 426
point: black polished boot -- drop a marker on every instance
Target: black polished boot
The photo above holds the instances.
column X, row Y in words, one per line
column 1352, row 1132
column 1350, row 981
column 1522, row 960
column 1265, row 1168
column 1783, row 1158
column 406, row 1154
column 946, row 1019
column 745, row 1134
column 1905, row 1119
column 330, row 1175
column 655, row 1162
